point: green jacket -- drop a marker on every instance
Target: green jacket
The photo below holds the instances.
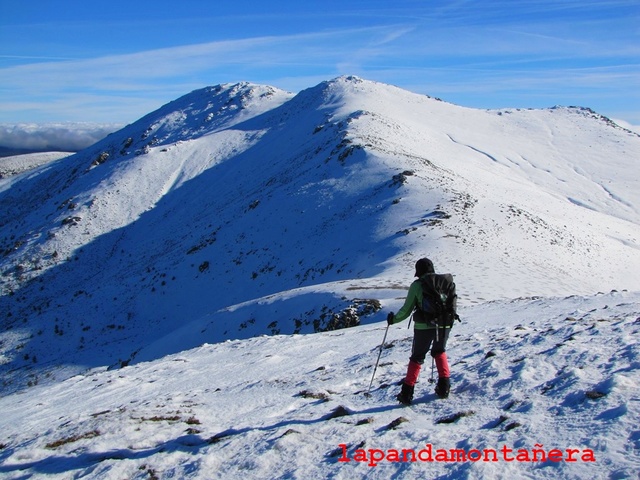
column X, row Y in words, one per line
column 411, row 304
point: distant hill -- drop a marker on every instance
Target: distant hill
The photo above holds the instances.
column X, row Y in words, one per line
column 16, row 164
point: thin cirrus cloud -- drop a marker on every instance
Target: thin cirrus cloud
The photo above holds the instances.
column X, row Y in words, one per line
column 484, row 61
column 172, row 70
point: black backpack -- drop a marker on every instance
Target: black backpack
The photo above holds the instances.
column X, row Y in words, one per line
column 439, row 299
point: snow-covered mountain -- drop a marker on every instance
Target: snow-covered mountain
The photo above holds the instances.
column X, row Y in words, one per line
column 243, row 210
column 239, row 210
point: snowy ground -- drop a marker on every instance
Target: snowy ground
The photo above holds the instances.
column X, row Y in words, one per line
column 559, row 376
column 22, row 163
column 138, row 279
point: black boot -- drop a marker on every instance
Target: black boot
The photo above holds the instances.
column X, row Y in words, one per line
column 406, row 394
column 442, row 387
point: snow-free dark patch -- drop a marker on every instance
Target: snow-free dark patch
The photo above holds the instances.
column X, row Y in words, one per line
column 72, row 439
column 396, row 423
column 221, row 436
column 337, row 412
column 314, row 395
column 455, row 417
column 594, row 394
column 365, row 421
column 511, row 426
column 496, row 423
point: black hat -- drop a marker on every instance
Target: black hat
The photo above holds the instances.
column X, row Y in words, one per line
column 424, row 265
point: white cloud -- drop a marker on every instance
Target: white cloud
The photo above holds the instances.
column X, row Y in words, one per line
column 68, row 137
column 474, row 63
column 122, row 72
column 97, row 89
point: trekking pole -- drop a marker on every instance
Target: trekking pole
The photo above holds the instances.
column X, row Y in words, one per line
column 368, row 394
column 432, row 380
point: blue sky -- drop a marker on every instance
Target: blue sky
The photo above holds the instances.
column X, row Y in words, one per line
column 114, row 61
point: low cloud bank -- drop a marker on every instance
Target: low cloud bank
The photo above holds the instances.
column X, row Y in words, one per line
column 65, row 137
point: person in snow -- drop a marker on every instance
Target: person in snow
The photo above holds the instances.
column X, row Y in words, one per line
column 427, row 335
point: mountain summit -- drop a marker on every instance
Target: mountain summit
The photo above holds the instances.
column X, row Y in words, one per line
column 239, row 210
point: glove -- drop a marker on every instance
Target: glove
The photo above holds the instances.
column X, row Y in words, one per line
column 390, row 318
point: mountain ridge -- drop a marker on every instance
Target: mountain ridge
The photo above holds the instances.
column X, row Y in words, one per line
column 239, row 192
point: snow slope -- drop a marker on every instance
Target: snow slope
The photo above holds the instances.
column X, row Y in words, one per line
column 528, row 376
column 21, row 163
column 235, row 193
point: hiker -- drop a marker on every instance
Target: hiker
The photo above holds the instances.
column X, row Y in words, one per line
column 426, row 334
